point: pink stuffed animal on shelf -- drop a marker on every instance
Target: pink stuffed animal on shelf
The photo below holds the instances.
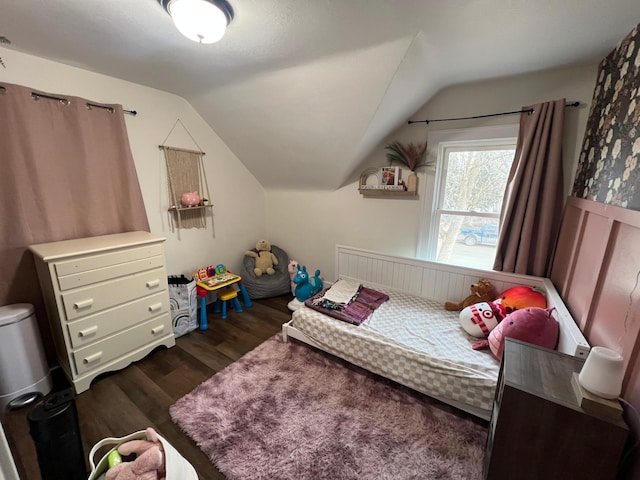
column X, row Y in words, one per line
column 149, row 463
column 190, row 199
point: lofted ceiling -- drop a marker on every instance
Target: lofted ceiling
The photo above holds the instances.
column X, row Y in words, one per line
column 303, row 90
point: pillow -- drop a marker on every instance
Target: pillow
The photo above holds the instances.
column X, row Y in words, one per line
column 519, row 297
column 532, row 325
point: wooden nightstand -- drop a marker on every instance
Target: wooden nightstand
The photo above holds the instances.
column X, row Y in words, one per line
column 538, row 431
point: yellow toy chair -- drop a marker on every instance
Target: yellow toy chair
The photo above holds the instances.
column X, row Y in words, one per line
column 225, row 295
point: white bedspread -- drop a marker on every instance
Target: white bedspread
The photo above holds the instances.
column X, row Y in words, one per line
column 413, row 341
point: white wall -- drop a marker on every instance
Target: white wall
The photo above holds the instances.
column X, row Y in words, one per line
column 239, row 212
column 309, row 224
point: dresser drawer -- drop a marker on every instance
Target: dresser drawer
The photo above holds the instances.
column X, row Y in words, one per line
column 95, row 327
column 93, row 262
column 98, row 353
column 85, row 301
column 81, row 279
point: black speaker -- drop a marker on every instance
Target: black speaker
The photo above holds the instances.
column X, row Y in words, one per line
column 53, row 425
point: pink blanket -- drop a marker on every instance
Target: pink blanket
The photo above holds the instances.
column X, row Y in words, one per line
column 361, row 306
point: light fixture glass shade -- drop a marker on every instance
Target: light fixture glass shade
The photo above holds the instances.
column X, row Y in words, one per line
column 603, row 372
column 198, row 20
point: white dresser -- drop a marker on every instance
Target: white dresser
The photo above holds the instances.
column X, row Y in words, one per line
column 107, row 301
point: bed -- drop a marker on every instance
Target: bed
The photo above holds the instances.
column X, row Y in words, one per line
column 411, row 339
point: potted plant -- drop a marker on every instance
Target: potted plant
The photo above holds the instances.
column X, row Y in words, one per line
column 412, row 156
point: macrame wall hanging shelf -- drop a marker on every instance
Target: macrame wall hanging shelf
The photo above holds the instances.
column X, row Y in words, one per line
column 189, row 198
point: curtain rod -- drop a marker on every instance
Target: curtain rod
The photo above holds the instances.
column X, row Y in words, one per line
column 529, row 111
column 66, row 101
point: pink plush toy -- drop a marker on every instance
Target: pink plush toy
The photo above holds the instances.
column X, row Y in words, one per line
column 190, row 199
column 149, row 463
column 533, row 325
column 292, row 268
column 481, row 318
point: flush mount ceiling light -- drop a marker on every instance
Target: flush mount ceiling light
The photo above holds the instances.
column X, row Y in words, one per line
column 203, row 21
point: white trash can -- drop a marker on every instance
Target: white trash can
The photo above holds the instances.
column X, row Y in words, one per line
column 24, row 373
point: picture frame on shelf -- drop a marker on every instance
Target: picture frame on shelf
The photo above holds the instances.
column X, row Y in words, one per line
column 371, row 183
column 389, row 176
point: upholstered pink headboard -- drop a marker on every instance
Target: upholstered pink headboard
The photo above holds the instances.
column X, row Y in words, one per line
column 596, row 270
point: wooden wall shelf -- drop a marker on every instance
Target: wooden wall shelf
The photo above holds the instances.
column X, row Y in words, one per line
column 184, row 209
column 180, row 214
column 375, row 193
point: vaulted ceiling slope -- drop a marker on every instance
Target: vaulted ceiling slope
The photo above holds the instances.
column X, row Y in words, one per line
column 303, row 90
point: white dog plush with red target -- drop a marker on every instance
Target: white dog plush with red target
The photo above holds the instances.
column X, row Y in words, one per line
column 479, row 319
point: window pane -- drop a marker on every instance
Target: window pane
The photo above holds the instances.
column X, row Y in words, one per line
column 476, row 180
column 467, row 240
column 470, row 179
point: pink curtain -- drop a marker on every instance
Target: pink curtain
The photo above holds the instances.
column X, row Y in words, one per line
column 67, row 172
column 532, row 205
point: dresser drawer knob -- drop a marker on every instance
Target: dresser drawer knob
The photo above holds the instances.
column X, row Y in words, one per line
column 88, row 331
column 92, row 358
column 83, row 304
column 158, row 329
column 155, row 307
column 153, row 283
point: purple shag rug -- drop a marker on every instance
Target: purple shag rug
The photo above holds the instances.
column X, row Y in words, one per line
column 287, row 411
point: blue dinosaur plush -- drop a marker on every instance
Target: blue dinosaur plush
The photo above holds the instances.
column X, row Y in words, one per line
column 306, row 287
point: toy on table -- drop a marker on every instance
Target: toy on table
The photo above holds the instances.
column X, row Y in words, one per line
column 480, row 319
column 481, row 291
column 149, row 462
column 265, row 260
column 532, row 325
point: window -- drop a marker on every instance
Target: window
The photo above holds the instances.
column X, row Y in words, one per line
column 470, row 180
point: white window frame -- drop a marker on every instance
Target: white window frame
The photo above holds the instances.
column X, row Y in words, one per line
column 439, row 142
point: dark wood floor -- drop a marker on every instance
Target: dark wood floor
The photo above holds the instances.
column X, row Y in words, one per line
column 140, row 395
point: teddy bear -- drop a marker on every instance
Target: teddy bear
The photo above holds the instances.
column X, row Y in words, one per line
column 481, row 291
column 265, row 259
column 532, row 325
column 149, row 463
